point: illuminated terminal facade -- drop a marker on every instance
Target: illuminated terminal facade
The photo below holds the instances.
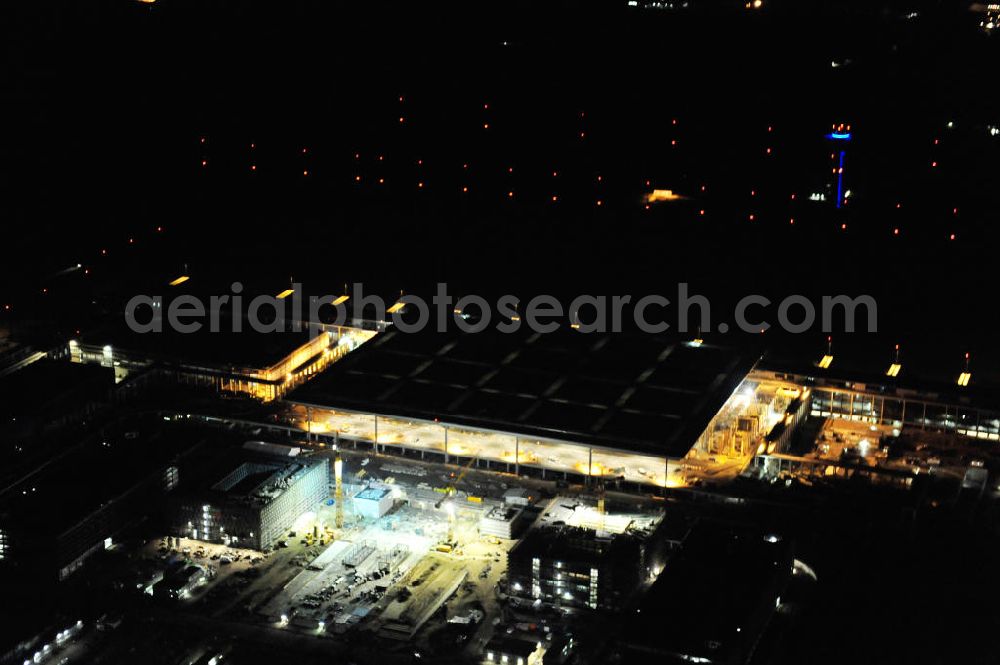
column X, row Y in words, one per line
column 643, row 411
column 261, row 365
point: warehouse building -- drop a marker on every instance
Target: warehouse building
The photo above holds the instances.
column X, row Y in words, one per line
column 113, row 484
column 250, row 499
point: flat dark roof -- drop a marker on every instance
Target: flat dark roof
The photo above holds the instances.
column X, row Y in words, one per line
column 711, row 592
column 32, row 389
column 233, row 474
column 643, row 393
column 98, row 471
column 578, row 545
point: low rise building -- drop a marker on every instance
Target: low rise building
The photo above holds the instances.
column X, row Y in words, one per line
column 518, row 496
column 501, row 521
column 503, row 650
column 372, row 502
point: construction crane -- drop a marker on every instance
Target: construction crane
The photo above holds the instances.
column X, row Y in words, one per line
column 602, row 494
column 338, row 493
column 450, row 507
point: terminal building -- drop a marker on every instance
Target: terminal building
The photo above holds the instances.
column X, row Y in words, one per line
column 629, row 409
column 250, row 499
column 260, row 365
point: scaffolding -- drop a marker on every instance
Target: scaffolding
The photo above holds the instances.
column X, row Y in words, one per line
column 358, row 553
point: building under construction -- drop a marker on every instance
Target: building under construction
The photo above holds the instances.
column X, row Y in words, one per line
column 575, row 567
column 248, row 500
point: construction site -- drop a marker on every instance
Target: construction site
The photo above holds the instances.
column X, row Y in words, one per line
column 405, row 552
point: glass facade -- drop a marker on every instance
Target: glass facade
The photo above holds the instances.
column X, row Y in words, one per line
column 453, row 442
column 902, row 412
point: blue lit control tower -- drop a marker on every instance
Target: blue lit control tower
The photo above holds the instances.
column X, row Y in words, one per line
column 840, row 136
